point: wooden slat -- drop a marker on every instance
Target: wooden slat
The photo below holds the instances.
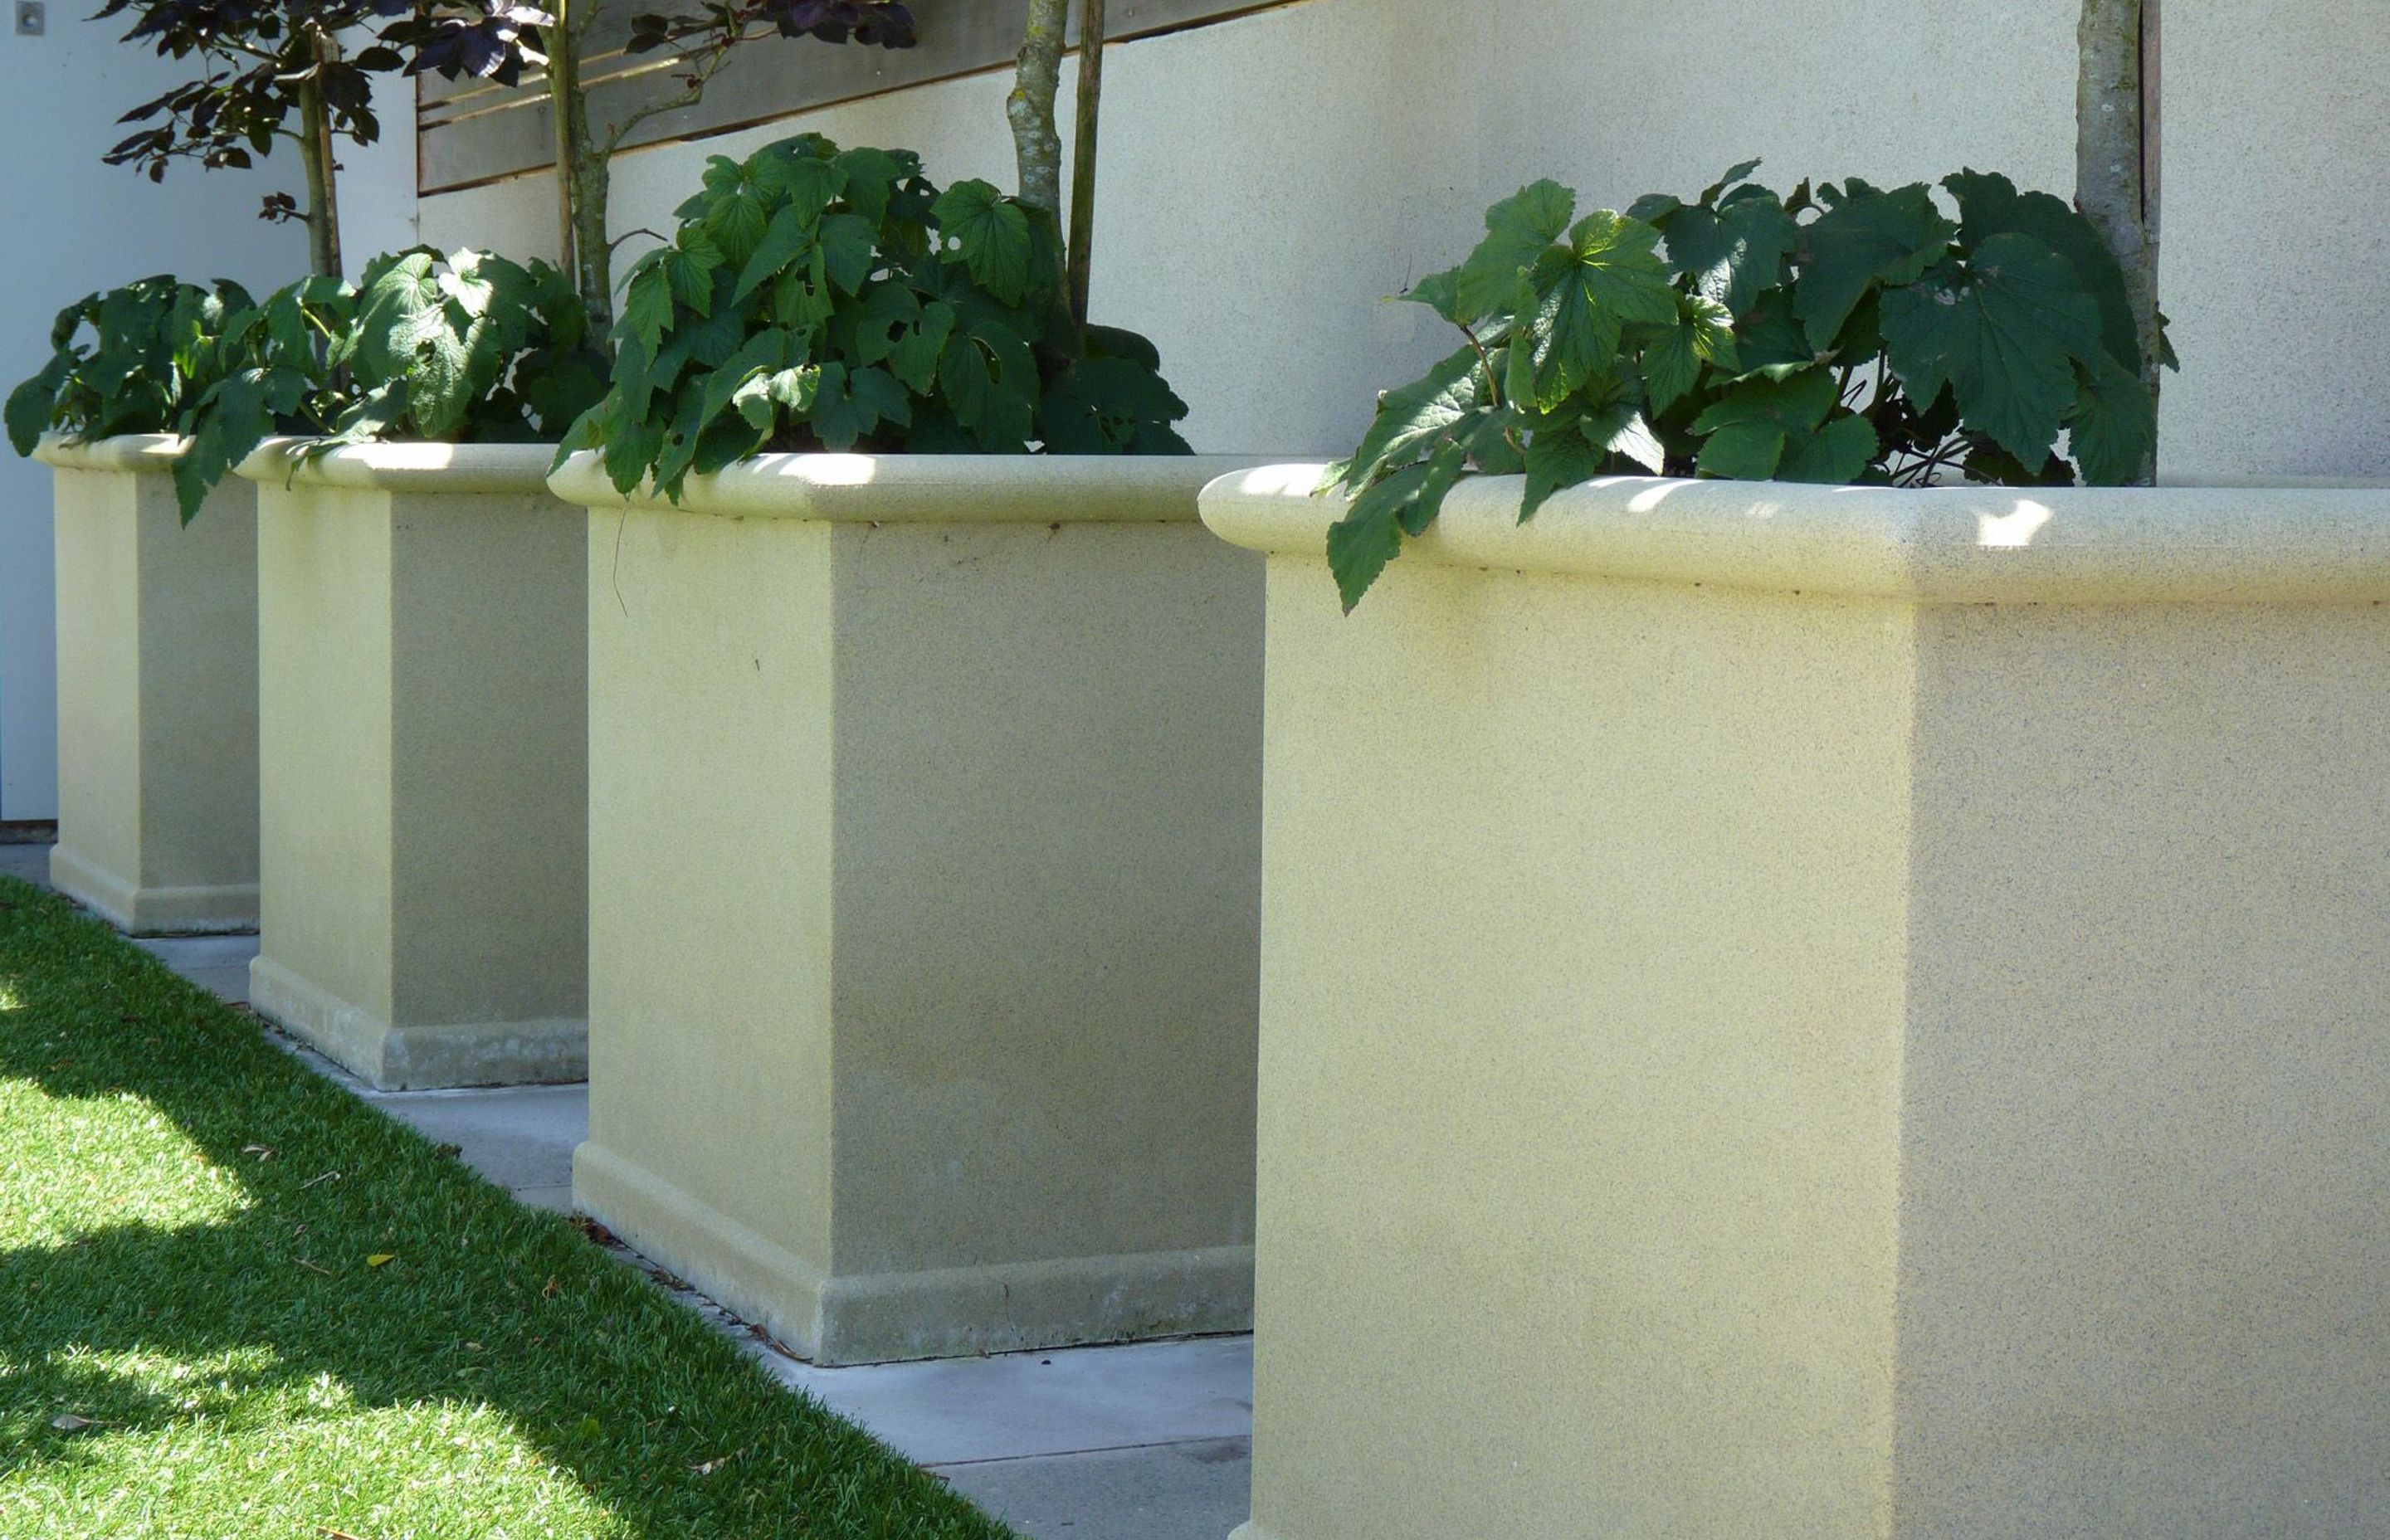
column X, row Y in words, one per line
column 474, row 133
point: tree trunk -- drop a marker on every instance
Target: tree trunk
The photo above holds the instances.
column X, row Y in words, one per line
column 593, row 252
column 1083, row 154
column 1037, row 141
column 582, row 170
column 323, row 194
column 2115, row 172
column 564, row 104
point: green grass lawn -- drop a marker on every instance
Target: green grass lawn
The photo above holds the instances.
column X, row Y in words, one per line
column 235, row 1302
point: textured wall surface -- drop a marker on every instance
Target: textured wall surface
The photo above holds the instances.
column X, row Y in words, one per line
column 1267, row 179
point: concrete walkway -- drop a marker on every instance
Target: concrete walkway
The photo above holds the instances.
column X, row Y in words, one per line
column 1145, row 1442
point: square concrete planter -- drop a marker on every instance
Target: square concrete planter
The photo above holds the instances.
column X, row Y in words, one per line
column 157, row 644
column 1827, row 1012
column 925, row 801
column 422, row 728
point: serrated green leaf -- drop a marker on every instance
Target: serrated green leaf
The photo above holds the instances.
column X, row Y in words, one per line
column 1735, row 250
column 849, row 403
column 1618, row 428
column 784, row 236
column 1609, row 275
column 1989, row 204
column 1703, row 337
column 913, row 359
column 1441, row 293
column 1747, row 428
column 1868, row 238
column 1519, row 231
column 2114, row 425
column 991, row 234
column 1557, row 458
column 871, row 177
column 648, row 306
column 1834, row 454
column 850, row 248
column 1411, row 418
column 2003, row 331
column 1734, row 174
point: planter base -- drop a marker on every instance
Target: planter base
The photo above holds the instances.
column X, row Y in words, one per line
column 942, row 1313
column 157, row 668
column 227, row 910
column 418, row 1057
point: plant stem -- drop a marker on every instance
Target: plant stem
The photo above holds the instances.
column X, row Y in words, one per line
column 566, row 110
column 322, row 196
column 1037, row 141
column 1089, row 104
column 2116, row 178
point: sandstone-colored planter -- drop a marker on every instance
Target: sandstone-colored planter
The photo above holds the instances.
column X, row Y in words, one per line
column 157, row 641
column 422, row 725
column 1827, row 1012
column 924, row 814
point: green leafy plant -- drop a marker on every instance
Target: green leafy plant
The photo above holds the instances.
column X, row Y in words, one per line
column 1855, row 334
column 815, row 298
column 131, row 360
column 466, row 348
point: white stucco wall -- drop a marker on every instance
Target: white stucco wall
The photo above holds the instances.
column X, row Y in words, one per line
column 78, row 225
column 1266, row 179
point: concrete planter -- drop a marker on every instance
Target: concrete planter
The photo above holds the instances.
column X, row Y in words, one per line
column 924, row 817
column 422, row 723
column 157, row 692
column 1830, row 1012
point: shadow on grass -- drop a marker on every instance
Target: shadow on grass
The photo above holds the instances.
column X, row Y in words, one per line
column 279, row 1317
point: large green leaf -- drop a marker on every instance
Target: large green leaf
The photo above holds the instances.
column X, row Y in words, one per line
column 1867, row 237
column 1703, row 336
column 2114, row 426
column 1989, row 204
column 990, row 233
column 1734, row 251
column 1608, row 275
column 2003, row 332
column 1518, row 231
column 849, row 403
column 1834, row 454
column 1409, row 419
column 1748, row 429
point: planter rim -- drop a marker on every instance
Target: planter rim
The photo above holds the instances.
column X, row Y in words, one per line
column 151, row 452
column 409, row 466
column 2312, row 540
column 1043, row 489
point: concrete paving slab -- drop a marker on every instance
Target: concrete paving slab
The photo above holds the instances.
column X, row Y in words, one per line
column 1064, row 1402
column 30, row 861
column 520, row 1136
column 1175, row 1492
column 188, row 953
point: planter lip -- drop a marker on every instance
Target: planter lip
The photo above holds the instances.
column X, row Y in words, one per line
column 1043, row 489
column 2287, row 540
column 404, row 466
column 149, row 453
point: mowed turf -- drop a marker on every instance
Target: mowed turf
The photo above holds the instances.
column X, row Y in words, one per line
column 235, row 1302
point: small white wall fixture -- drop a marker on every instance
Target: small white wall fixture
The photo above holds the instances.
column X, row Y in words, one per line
column 1826, row 1011
column 423, row 762
column 924, row 862
column 157, row 651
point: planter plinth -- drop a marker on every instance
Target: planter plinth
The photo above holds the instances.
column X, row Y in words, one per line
column 157, row 644
column 422, row 730
column 1833, row 1012
column 924, row 802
